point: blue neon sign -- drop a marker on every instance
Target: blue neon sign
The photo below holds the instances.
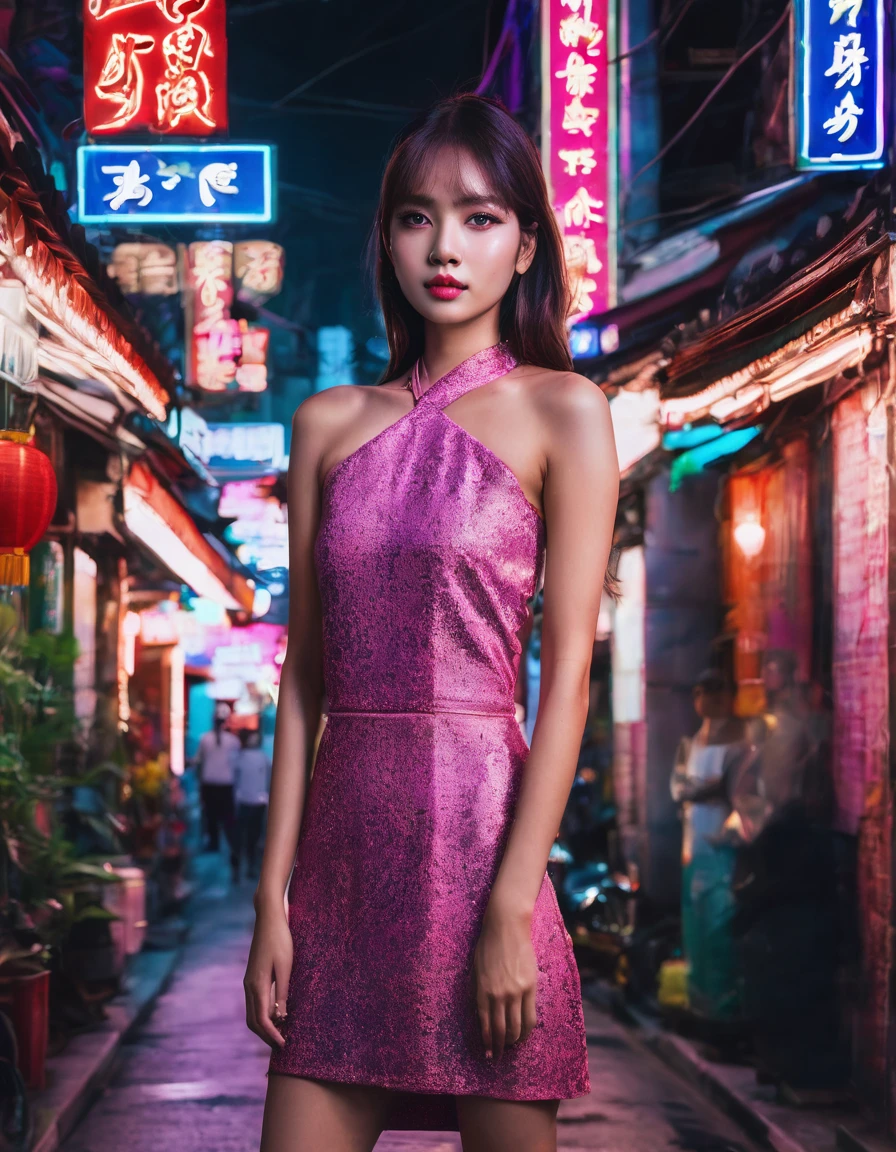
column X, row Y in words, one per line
column 176, row 183
column 586, row 341
column 840, row 65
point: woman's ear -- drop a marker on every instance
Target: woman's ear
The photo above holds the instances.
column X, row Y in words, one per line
column 528, row 243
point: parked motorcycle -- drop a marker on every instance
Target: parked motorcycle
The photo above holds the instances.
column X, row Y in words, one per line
column 603, row 913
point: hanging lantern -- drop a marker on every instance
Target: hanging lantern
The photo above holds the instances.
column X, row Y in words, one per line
column 28, row 484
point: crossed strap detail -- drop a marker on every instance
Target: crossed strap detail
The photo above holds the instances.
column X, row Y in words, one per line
column 478, row 369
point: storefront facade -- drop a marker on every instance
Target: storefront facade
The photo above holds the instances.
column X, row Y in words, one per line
column 802, row 521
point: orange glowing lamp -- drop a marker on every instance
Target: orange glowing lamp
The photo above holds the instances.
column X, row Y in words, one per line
column 28, row 484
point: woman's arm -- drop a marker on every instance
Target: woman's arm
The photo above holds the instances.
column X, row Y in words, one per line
column 298, row 716
column 301, row 677
column 680, row 782
column 580, row 494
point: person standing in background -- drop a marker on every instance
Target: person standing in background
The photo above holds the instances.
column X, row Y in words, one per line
column 253, row 781
column 704, row 766
column 216, row 760
column 789, row 917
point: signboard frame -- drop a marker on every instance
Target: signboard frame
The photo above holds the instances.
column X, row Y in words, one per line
column 155, row 66
column 263, row 210
column 821, row 37
column 558, row 48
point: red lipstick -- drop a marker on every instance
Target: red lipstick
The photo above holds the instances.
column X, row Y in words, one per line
column 445, row 287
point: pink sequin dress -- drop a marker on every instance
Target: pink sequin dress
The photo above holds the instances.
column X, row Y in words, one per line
column 426, row 555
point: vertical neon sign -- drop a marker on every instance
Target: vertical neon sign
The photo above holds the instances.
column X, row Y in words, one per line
column 578, row 138
column 839, row 76
column 157, row 65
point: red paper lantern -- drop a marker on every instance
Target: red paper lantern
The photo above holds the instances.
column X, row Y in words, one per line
column 28, row 487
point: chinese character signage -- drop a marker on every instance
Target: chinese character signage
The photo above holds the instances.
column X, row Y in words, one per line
column 145, row 269
column 223, row 354
column 217, row 351
column 251, row 369
column 213, row 345
column 840, row 61
column 175, row 184
column 578, row 143
column 155, row 65
column 258, row 267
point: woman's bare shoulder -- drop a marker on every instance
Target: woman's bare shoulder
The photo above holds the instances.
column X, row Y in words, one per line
column 322, row 410
column 563, row 396
column 333, row 407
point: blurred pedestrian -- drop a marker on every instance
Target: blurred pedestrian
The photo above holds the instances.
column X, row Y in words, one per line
column 216, row 759
column 704, row 766
column 785, row 884
column 252, row 790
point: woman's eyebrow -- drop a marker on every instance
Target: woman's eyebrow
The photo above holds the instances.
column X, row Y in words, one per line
column 472, row 198
column 461, row 202
column 414, row 198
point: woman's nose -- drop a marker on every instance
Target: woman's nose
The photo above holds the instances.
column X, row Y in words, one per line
column 445, row 247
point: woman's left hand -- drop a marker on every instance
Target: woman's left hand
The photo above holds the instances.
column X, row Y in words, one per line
column 506, row 978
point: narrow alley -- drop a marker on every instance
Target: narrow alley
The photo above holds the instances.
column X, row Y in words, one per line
column 193, row 1080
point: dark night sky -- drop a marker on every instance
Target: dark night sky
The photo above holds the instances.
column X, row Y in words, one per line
column 334, row 135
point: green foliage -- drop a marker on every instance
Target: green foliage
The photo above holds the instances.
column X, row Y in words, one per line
column 44, row 887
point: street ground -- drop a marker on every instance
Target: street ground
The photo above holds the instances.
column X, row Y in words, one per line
column 193, row 1078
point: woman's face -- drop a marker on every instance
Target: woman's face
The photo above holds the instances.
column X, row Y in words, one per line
column 454, row 249
column 712, row 705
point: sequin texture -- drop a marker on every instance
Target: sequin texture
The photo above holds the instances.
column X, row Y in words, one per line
column 426, row 556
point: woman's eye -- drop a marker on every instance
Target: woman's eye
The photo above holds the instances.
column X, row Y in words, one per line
column 481, row 219
column 413, row 218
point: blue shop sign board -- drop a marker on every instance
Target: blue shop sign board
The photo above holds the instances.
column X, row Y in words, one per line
column 587, row 341
column 840, row 66
column 176, row 183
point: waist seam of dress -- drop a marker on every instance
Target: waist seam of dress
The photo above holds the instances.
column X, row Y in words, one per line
column 417, row 712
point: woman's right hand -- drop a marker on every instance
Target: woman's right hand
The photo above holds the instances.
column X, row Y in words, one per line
column 267, row 973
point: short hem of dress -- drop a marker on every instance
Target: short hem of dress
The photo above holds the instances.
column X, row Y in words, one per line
column 392, row 1086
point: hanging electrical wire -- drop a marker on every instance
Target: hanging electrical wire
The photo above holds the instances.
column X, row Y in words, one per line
column 327, row 106
column 664, row 32
column 689, row 123
column 368, row 48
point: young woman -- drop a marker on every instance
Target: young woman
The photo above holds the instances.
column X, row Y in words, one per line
column 422, row 977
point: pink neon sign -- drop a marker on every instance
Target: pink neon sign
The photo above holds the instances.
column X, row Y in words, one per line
column 577, row 142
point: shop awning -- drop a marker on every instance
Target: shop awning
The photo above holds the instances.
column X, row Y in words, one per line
column 820, row 324
column 90, row 406
column 675, row 289
column 83, row 334
column 155, row 518
column 826, row 287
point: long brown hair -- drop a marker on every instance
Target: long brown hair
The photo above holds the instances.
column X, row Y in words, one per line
column 535, row 306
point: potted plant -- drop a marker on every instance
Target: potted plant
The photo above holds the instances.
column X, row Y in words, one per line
column 24, row 975
column 25, row 999
column 47, row 891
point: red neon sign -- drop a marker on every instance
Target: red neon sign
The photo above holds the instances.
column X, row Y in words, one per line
column 155, row 65
column 578, row 137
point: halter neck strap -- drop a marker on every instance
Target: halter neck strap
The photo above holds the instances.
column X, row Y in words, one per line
column 480, row 368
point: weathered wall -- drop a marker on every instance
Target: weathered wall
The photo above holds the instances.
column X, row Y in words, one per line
column 861, row 706
column 682, row 619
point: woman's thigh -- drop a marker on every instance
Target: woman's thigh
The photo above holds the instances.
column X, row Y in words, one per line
column 303, row 1115
column 488, row 1125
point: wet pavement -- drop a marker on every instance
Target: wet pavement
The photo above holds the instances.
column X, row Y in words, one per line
column 193, row 1078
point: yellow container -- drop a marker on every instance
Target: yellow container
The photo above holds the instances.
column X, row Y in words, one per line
column 673, row 984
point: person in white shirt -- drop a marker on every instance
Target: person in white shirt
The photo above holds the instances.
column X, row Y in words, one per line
column 216, row 758
column 253, row 782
